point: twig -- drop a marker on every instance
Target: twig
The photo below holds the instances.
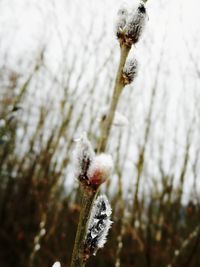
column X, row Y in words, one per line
column 78, row 250
column 118, row 87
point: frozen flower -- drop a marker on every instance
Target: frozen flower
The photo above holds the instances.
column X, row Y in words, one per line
column 130, row 71
column 98, row 226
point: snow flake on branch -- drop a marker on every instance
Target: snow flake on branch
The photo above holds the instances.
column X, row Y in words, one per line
column 98, row 226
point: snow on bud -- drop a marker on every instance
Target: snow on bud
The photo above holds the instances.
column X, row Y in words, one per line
column 130, row 23
column 130, row 71
column 98, row 226
column 56, row 264
column 84, row 156
column 99, row 170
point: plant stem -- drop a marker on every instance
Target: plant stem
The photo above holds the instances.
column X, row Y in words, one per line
column 88, row 197
column 78, row 250
column 118, row 87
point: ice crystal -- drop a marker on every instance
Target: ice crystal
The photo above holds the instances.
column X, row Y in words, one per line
column 130, row 71
column 98, row 225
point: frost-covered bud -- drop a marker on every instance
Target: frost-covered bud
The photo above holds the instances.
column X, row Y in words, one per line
column 136, row 22
column 56, row 264
column 121, row 21
column 99, row 170
column 84, row 156
column 91, row 170
column 98, row 226
column 130, row 71
column 130, row 23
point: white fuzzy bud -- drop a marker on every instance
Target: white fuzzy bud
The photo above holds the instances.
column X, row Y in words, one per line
column 98, row 226
column 136, row 22
column 91, row 170
column 121, row 20
column 56, row 264
column 84, row 155
column 130, row 71
column 130, row 23
column 100, row 168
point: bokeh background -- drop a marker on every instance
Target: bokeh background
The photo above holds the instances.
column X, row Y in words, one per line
column 58, row 61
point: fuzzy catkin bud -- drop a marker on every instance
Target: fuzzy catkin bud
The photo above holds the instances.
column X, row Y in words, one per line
column 136, row 23
column 130, row 23
column 98, row 226
column 121, row 21
column 99, row 170
column 130, row 71
column 91, row 170
column 84, row 156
